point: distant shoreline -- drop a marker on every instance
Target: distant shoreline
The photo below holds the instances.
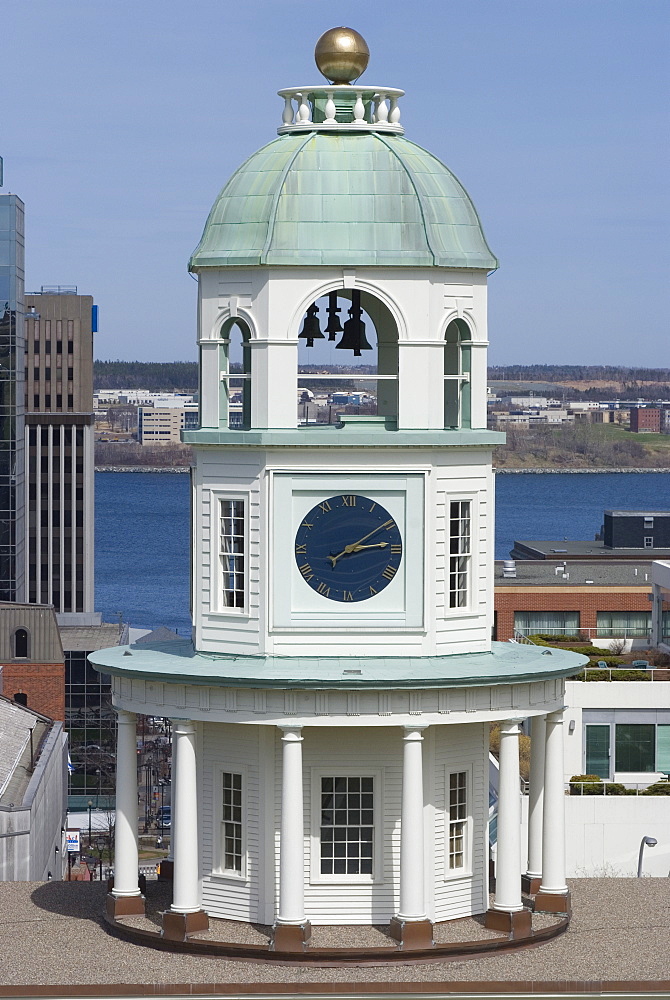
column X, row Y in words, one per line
column 177, row 469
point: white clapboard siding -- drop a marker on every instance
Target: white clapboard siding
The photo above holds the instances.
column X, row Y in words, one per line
column 232, row 748
column 351, row 751
column 461, row 748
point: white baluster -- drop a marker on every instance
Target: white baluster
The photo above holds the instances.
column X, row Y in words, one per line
column 287, row 116
column 382, row 112
column 330, row 109
column 394, row 113
column 303, row 108
column 359, row 110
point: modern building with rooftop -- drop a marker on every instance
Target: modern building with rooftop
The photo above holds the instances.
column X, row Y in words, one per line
column 331, row 713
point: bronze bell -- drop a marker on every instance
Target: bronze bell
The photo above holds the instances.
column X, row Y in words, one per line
column 333, row 326
column 310, row 328
column 353, row 337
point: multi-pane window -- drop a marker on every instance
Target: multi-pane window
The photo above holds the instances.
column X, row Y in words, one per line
column 233, row 563
column 459, row 552
column 231, row 821
column 458, row 817
column 546, row 622
column 347, row 825
column 623, row 624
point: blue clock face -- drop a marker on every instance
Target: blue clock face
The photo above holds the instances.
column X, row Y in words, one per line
column 348, row 548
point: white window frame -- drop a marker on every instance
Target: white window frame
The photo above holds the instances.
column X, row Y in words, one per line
column 472, row 555
column 218, row 844
column 466, row 869
column 316, row 876
column 648, row 541
column 218, row 497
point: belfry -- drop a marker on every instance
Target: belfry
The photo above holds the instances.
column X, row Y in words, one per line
column 331, row 712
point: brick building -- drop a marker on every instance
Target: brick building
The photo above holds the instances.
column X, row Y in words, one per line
column 645, row 420
column 32, row 664
column 603, row 600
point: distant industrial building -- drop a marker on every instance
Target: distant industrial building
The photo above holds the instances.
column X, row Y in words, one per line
column 59, row 447
column 645, row 420
column 164, row 424
column 624, row 534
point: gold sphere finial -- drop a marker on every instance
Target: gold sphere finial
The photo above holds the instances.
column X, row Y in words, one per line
column 341, row 55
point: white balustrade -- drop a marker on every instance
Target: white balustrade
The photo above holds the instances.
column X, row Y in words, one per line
column 385, row 113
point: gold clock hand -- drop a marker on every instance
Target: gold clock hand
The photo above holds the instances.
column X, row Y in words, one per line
column 375, row 545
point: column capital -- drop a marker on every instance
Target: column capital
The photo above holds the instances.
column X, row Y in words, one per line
column 557, row 717
column 414, row 732
column 510, row 727
column 125, row 718
column 291, row 734
column 183, row 727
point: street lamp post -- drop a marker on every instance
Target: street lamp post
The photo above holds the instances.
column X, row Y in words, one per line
column 645, row 842
column 90, row 806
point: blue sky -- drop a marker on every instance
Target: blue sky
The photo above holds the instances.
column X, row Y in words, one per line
column 121, row 121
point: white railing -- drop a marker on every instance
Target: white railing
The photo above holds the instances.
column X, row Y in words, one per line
column 580, row 634
column 372, row 108
column 633, row 788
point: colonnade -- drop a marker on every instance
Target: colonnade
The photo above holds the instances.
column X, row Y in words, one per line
column 411, row 926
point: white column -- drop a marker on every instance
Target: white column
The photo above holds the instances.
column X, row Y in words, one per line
column 508, row 857
column 126, row 863
column 553, row 836
column 656, row 614
column 291, row 845
column 185, row 844
column 412, row 897
column 536, row 795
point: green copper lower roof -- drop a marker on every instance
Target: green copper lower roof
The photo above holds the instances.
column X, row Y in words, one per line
column 346, row 436
column 343, row 199
column 177, row 662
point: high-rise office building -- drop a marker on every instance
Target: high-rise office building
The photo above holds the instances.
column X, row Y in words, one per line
column 12, row 535
column 59, row 327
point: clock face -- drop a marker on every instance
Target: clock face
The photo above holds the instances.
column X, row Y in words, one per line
column 348, row 548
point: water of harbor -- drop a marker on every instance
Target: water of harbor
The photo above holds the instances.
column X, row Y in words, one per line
column 142, row 522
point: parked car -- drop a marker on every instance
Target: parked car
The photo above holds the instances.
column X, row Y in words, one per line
column 164, row 817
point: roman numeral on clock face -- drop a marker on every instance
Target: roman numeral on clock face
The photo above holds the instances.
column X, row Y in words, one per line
column 347, row 595
column 306, row 571
column 301, row 550
column 349, row 501
column 325, row 506
column 396, row 550
column 323, row 589
column 389, row 572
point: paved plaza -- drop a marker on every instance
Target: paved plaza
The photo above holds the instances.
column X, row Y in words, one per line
column 52, row 935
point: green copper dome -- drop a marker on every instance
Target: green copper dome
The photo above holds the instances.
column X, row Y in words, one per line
column 343, row 198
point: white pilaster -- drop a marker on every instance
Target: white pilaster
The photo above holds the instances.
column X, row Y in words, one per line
column 478, row 410
column 508, row 858
column 420, row 363
column 210, row 376
column 274, row 384
column 185, row 843
column 412, row 887
column 291, row 846
column 126, row 864
column 538, row 730
column 553, row 835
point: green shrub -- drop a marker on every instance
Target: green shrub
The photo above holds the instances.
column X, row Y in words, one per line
column 594, row 675
column 586, row 784
column 614, row 788
column 660, row 788
column 631, row 675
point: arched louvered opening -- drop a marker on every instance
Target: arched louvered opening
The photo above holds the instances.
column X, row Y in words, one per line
column 235, row 402
column 457, row 366
column 347, row 360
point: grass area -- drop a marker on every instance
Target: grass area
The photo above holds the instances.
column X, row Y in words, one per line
column 582, row 446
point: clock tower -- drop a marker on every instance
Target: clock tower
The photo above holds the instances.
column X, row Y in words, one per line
column 331, row 713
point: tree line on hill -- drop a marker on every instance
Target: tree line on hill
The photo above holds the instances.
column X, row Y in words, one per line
column 182, row 376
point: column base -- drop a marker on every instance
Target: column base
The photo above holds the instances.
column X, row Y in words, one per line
column 518, row 924
column 124, row 906
column 291, row 937
column 552, row 902
column 412, row 935
column 178, row 926
column 166, row 871
column 530, row 883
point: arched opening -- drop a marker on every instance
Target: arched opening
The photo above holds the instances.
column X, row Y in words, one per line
column 235, row 401
column 21, row 698
column 21, row 643
column 457, row 351
column 347, row 360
